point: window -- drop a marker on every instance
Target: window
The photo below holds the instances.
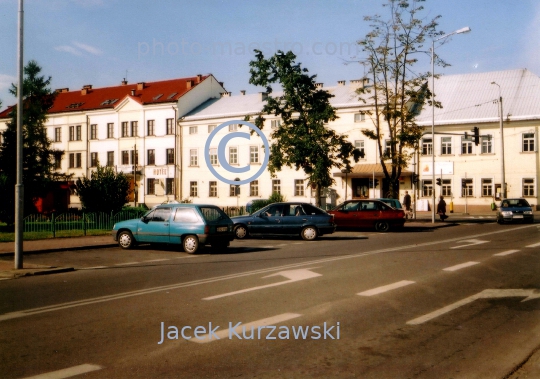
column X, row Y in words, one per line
column 467, row 187
column 528, row 187
column 487, row 187
column 193, row 189
column 274, row 124
column 151, row 156
column 276, row 186
column 427, row 188
column 359, row 117
column 78, row 133
column 110, row 158
column 213, row 157
column 57, row 134
column 93, row 159
column 254, row 188
column 233, row 127
column 446, row 188
column 528, row 142
column 446, row 145
column 487, row 147
column 93, row 131
column 193, row 130
column 193, row 157
column 134, row 128
column 72, row 133
column 359, row 144
column 75, row 160
column 125, row 157
column 110, row 130
column 253, row 154
column 169, row 186
column 124, row 129
column 388, row 148
column 134, row 156
column 212, row 189
column 466, row 145
column 233, row 155
column 186, row 215
column 58, row 161
column 298, row 187
column 150, row 128
column 427, row 146
column 170, row 156
column 170, row 126
column 150, row 186
column 211, row 128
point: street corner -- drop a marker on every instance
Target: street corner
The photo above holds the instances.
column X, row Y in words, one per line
column 7, row 270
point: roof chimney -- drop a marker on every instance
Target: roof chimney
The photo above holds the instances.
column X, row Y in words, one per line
column 199, row 78
column 62, row 90
column 225, row 94
column 243, row 92
column 263, row 96
column 341, row 82
column 86, row 89
column 319, row 85
column 124, row 82
column 140, row 86
column 189, row 84
column 221, row 83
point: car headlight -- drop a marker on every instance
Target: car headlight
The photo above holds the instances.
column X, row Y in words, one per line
column 506, row 213
column 527, row 212
column 114, row 226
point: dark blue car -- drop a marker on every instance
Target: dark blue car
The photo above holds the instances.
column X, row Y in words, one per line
column 514, row 210
column 292, row 218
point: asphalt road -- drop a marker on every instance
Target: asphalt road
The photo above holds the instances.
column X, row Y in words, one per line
column 454, row 302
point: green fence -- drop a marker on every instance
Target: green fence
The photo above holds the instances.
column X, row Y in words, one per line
column 67, row 224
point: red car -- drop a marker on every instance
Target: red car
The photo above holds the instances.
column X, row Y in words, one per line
column 367, row 214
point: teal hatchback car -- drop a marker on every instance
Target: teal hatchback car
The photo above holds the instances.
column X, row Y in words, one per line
column 189, row 225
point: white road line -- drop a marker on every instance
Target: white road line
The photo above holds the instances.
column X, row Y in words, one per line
column 157, row 260
column 224, row 334
column 534, row 245
column 460, row 266
column 147, row 291
column 67, row 372
column 282, row 244
column 389, row 287
column 92, row 268
column 267, row 247
column 507, row 252
column 191, row 256
column 126, row 264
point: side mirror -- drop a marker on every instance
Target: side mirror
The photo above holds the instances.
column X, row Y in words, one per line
column 144, row 219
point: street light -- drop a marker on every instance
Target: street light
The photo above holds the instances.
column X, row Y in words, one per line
column 503, row 180
column 459, row 31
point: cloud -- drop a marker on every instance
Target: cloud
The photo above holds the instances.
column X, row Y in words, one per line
column 79, row 49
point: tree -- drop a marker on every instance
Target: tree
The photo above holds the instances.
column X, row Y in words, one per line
column 397, row 93
column 38, row 156
column 303, row 140
column 104, row 191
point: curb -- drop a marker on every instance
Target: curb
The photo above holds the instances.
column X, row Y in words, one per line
column 30, row 252
column 15, row 274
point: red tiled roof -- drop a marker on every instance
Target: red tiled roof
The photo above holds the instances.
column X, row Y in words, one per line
column 108, row 97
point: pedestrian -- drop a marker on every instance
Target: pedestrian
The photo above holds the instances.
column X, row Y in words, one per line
column 407, row 203
column 441, row 208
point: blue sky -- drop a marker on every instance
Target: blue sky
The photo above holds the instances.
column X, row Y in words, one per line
column 100, row 42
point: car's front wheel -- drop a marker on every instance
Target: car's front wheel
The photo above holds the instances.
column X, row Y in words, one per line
column 126, row 240
column 309, row 233
column 241, row 232
column 190, row 244
column 382, row 226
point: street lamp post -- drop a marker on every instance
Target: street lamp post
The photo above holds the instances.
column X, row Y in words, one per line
column 459, row 31
column 503, row 180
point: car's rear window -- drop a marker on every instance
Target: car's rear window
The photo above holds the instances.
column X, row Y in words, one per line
column 186, row 215
column 213, row 214
column 311, row 210
column 515, row 203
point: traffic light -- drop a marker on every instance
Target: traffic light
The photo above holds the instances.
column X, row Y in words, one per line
column 414, row 178
column 370, row 183
column 438, row 180
column 376, row 183
column 476, row 135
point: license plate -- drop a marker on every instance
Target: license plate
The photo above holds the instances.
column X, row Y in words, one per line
column 222, row 229
column 518, row 216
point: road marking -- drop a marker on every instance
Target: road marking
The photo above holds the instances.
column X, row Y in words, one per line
column 530, row 294
column 534, row 245
column 281, row 244
column 126, row 264
column 93, row 268
column 67, row 372
column 191, row 256
column 292, row 275
column 471, row 243
column 223, row 334
column 267, row 247
column 389, row 287
column 460, row 266
column 508, row 252
column 147, row 291
column 158, row 260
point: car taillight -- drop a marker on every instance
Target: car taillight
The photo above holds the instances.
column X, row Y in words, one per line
column 206, row 229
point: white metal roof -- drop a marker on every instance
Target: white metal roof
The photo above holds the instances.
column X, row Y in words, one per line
column 470, row 98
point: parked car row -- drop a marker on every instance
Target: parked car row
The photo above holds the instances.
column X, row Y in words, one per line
column 195, row 225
